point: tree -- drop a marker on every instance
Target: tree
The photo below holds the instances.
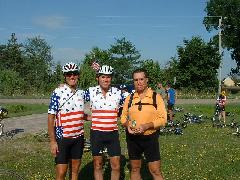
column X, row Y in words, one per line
column 197, row 65
column 230, row 12
column 11, row 55
column 11, row 83
column 87, row 74
column 154, row 72
column 170, row 72
column 2, row 56
column 38, row 63
column 125, row 58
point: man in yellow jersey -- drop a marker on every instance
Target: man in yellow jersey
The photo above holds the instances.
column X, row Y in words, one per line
column 142, row 120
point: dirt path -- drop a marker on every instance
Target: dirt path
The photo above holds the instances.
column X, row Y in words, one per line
column 26, row 124
column 37, row 122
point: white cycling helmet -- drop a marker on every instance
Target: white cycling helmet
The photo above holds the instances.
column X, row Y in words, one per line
column 70, row 67
column 105, row 69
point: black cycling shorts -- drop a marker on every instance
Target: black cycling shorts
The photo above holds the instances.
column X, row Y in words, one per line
column 147, row 144
column 101, row 140
column 69, row 148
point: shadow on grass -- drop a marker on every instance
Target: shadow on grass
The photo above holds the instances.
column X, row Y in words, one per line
column 145, row 174
column 87, row 171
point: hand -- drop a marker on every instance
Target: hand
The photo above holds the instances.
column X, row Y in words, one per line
column 141, row 129
column 130, row 130
column 54, row 148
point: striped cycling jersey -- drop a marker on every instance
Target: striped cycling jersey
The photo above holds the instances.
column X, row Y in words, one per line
column 68, row 108
column 104, row 109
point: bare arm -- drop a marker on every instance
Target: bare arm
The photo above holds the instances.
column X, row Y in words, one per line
column 51, row 133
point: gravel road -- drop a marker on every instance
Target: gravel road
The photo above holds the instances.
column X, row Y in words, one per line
column 37, row 122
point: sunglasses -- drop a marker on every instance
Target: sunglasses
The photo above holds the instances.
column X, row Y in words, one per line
column 73, row 73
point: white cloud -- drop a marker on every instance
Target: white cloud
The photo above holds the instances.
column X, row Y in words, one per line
column 51, row 22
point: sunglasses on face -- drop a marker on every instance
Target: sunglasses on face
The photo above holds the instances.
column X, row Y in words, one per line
column 73, row 73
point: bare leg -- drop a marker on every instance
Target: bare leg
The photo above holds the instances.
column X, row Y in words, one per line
column 98, row 164
column 135, row 169
column 74, row 170
column 61, row 171
column 155, row 170
column 115, row 165
column 224, row 117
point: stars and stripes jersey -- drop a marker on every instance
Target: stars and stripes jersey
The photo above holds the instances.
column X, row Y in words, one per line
column 68, row 107
column 104, row 109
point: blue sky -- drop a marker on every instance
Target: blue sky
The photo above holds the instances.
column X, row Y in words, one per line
column 73, row 27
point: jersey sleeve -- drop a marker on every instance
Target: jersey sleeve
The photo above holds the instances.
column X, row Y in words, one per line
column 87, row 95
column 122, row 99
column 124, row 114
column 161, row 118
column 54, row 103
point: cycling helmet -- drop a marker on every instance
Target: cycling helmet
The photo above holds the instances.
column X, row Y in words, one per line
column 70, row 67
column 105, row 69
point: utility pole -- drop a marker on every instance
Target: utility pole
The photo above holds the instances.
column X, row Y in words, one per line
column 220, row 53
column 219, row 50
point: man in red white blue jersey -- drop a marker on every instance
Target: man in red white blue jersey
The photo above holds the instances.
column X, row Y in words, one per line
column 65, row 124
column 104, row 104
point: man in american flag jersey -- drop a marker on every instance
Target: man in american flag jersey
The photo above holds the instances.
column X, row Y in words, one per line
column 104, row 104
column 65, row 124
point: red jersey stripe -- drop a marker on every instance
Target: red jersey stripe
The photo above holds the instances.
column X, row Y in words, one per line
column 74, row 125
column 72, row 113
column 100, row 122
column 77, row 131
column 105, row 117
column 72, row 119
column 104, row 111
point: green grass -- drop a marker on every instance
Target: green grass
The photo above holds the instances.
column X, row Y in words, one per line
column 202, row 152
column 15, row 110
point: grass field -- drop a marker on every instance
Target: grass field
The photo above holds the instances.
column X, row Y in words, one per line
column 15, row 110
column 202, row 152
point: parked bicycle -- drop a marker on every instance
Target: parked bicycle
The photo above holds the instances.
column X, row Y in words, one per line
column 3, row 114
column 216, row 117
column 237, row 131
column 172, row 127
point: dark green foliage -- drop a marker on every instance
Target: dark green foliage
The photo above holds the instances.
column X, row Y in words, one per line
column 122, row 56
column 11, row 57
column 87, row 74
column 26, row 69
column 11, row 82
column 170, row 71
column 230, row 12
column 197, row 65
column 38, row 61
column 124, row 59
column 154, row 72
